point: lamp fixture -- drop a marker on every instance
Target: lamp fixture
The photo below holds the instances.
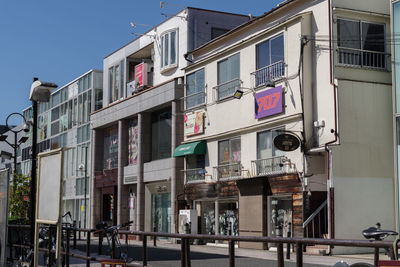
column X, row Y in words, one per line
column 23, row 139
column 3, row 138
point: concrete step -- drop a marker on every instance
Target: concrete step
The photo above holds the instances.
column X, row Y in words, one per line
column 317, row 250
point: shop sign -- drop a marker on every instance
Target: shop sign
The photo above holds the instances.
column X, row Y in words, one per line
column 141, row 74
column 194, row 123
column 268, row 102
column 286, row 142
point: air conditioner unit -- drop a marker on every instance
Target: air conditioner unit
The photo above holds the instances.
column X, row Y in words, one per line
column 187, row 222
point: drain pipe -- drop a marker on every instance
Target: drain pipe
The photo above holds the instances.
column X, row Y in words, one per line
column 330, row 184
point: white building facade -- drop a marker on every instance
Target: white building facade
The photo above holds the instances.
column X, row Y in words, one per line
column 312, row 70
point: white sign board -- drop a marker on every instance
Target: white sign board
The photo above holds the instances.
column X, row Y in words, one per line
column 49, row 186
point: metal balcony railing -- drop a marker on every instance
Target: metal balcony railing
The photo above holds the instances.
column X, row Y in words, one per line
column 272, row 166
column 194, row 175
column 269, row 73
column 227, row 89
column 195, row 100
column 363, row 58
column 228, row 171
column 316, row 224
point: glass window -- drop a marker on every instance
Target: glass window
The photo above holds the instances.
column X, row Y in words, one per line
column 98, row 99
column 265, row 147
column 115, row 82
column 195, row 89
column 269, row 60
column 55, row 128
column 229, row 151
column 111, row 148
column 228, row 76
column 169, row 49
column 55, row 113
column 361, row 43
column 161, row 134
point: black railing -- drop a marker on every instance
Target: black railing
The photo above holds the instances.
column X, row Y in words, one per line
column 185, row 239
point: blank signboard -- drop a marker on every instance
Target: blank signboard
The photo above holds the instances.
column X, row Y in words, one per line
column 49, row 186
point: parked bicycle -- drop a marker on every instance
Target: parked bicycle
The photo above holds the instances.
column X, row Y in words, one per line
column 111, row 234
column 373, row 233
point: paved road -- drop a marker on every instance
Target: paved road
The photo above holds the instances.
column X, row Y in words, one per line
column 168, row 255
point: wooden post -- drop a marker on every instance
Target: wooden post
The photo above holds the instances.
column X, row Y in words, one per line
column 88, row 249
column 183, row 253
column 100, row 246
column 299, row 255
column 68, row 248
column 376, row 256
column 281, row 262
column 144, row 250
column 231, row 253
column 187, row 252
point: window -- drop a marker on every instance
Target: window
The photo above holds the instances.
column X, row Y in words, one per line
column 229, row 157
column 361, row 43
column 269, row 60
column 228, row 76
column 98, row 99
column 195, row 89
column 169, row 49
column 111, row 148
column 161, row 134
column 115, row 82
column 265, row 147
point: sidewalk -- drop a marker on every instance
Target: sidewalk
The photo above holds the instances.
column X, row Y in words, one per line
column 169, row 252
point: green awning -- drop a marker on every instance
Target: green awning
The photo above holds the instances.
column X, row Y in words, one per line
column 198, row 147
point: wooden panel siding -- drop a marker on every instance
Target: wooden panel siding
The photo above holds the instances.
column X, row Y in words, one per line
column 211, row 190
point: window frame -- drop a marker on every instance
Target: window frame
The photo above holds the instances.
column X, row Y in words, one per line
column 169, row 65
column 204, row 90
column 269, row 41
column 219, row 84
column 360, row 35
column 229, row 140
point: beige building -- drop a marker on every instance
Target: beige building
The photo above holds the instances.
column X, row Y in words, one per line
column 317, row 72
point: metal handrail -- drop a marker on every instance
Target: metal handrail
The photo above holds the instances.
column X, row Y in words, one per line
column 230, row 170
column 202, row 178
column 185, row 245
column 216, row 88
column 276, row 166
column 314, row 214
column 363, row 50
column 193, row 95
column 363, row 58
column 269, row 73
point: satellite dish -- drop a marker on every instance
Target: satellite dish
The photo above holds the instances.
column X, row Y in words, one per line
column 286, row 142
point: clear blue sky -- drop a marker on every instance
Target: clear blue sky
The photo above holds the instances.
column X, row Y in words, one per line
column 58, row 40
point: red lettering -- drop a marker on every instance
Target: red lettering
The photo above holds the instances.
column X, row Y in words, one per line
column 268, row 101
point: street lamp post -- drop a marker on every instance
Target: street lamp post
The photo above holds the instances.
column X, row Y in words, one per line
column 16, row 143
column 40, row 92
column 84, row 166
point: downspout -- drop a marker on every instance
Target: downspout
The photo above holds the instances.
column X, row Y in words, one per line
column 330, row 184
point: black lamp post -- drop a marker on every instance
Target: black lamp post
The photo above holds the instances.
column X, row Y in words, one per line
column 16, row 143
column 40, row 92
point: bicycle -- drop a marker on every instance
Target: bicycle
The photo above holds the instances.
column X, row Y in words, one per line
column 375, row 233
column 111, row 234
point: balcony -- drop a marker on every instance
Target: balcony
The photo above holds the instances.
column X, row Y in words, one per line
column 195, row 100
column 362, row 58
column 226, row 89
column 272, row 166
column 228, row 171
column 269, row 74
column 194, row 175
column 106, row 178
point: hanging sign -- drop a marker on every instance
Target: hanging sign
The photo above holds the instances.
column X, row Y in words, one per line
column 286, row 142
column 194, row 123
column 268, row 102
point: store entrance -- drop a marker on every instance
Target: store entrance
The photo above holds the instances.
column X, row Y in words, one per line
column 280, row 216
column 108, row 208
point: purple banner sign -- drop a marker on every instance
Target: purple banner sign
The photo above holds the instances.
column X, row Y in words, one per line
column 268, row 102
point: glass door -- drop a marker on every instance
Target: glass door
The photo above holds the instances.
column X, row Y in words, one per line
column 280, row 216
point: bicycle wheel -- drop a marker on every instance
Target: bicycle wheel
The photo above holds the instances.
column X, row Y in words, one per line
column 362, row 264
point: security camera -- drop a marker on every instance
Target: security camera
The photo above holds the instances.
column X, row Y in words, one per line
column 81, row 167
column 26, row 127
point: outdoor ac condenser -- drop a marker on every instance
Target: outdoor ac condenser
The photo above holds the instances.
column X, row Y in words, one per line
column 187, row 222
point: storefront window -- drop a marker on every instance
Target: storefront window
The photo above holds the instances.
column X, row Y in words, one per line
column 281, row 216
column 132, row 142
column 110, row 148
column 160, row 212
column 207, row 218
column 265, row 147
column 228, row 218
column 161, row 134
